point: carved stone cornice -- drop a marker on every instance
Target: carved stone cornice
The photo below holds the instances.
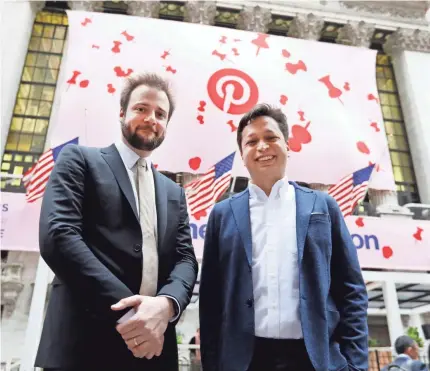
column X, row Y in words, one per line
column 356, row 34
column 89, row 6
column 254, row 18
column 202, row 12
column 406, row 39
column 11, row 285
column 306, row 26
column 386, row 204
column 149, row 9
column 402, row 10
column 37, row 6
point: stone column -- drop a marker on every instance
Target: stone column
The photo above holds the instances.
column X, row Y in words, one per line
column 306, row 26
column 394, row 320
column 386, row 204
column 356, row 34
column 89, row 6
column 254, row 18
column 149, row 9
column 410, row 53
column 202, row 12
column 37, row 6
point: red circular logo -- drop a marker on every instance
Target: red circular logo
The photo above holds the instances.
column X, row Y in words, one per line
column 233, row 91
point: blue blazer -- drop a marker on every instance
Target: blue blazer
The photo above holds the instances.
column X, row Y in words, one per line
column 333, row 297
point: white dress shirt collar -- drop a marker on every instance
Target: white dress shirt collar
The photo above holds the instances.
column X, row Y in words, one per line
column 255, row 192
column 128, row 156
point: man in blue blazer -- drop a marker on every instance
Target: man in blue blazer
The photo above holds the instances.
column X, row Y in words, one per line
column 281, row 287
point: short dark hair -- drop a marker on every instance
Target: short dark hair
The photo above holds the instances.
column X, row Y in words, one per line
column 260, row 110
column 402, row 343
column 148, row 79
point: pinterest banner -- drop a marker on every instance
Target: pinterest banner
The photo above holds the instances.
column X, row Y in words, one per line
column 327, row 91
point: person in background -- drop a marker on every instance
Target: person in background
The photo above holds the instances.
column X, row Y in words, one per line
column 408, row 354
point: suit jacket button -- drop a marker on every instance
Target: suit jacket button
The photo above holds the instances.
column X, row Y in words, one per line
column 137, row 247
column 249, row 303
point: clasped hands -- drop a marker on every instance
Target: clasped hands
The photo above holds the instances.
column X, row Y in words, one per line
column 144, row 332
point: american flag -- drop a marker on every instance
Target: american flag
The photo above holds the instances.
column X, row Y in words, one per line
column 36, row 178
column 203, row 192
column 351, row 189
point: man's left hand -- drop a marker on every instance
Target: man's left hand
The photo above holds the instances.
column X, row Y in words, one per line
column 144, row 332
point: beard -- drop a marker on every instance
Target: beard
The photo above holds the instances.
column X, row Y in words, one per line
column 140, row 142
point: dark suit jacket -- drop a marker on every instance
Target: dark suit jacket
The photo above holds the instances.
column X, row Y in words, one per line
column 333, row 298
column 401, row 361
column 90, row 236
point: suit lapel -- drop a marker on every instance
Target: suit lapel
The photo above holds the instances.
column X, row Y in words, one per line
column 240, row 207
column 161, row 204
column 112, row 157
column 305, row 200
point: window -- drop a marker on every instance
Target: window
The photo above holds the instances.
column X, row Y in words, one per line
column 226, row 17
column 173, row 10
column 33, row 105
column 401, row 160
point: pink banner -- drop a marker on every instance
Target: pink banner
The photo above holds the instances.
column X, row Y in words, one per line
column 381, row 242
column 327, row 91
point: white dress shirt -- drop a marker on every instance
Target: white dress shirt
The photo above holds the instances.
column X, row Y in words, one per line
column 130, row 158
column 275, row 273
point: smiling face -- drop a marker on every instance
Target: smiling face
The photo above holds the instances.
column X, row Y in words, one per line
column 144, row 122
column 264, row 150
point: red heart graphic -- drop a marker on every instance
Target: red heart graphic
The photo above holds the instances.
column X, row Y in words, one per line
column 111, row 89
column 359, row 222
column 387, row 252
column 199, row 214
column 195, row 163
column 84, row 83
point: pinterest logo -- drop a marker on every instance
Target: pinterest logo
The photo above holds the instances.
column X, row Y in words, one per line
column 233, row 91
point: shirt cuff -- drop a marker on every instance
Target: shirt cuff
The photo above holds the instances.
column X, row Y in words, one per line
column 177, row 309
column 127, row 316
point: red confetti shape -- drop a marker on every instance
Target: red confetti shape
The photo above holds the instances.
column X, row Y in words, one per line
column 127, row 36
column 218, row 54
column 121, row 73
column 223, row 39
column 302, row 115
column 170, row 69
column 156, row 166
column 372, row 97
column 286, row 53
column 299, row 135
column 293, row 68
column 261, row 42
column 111, row 89
column 200, row 214
column 72, row 80
column 362, row 147
column 346, row 86
column 387, row 252
column 375, row 126
column 377, row 168
column 116, row 48
column 235, row 52
column 333, row 91
column 95, row 46
column 283, row 99
column 359, row 222
column 165, row 54
column 200, row 119
column 233, row 127
column 194, row 163
column 237, row 40
column 84, row 83
column 418, row 234
column 86, row 21
column 202, row 105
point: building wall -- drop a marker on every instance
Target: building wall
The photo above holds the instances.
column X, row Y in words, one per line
column 16, row 24
column 413, row 76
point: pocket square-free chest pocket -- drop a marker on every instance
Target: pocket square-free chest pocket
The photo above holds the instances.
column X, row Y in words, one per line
column 319, row 218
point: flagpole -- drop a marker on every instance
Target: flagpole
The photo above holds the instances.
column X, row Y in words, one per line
column 233, row 184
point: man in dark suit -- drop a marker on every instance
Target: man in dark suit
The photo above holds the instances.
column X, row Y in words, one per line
column 408, row 354
column 281, row 287
column 116, row 234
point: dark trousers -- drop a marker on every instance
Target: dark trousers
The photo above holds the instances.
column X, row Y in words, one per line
column 280, row 355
